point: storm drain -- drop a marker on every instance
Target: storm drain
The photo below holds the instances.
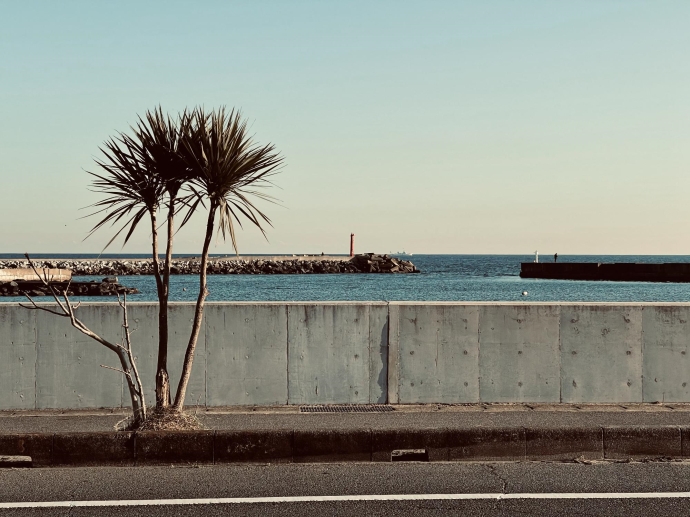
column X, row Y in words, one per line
column 410, row 455
column 346, row 408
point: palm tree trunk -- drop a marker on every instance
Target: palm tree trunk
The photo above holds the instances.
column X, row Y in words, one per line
column 162, row 382
column 198, row 314
column 162, row 378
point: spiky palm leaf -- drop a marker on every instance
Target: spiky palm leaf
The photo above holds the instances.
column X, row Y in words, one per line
column 227, row 168
column 139, row 170
column 131, row 188
column 161, row 137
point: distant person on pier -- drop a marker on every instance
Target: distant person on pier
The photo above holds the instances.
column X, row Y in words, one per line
column 536, row 256
column 555, row 258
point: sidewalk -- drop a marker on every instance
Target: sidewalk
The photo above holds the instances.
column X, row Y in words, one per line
column 490, row 432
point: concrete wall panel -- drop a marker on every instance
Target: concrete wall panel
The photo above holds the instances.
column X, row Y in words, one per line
column 17, row 358
column 519, row 356
column 328, row 353
column 68, row 363
column 666, row 352
column 246, row 347
column 601, row 353
column 439, row 353
column 144, row 322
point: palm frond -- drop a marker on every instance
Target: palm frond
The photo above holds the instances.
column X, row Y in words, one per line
column 138, row 170
column 161, row 137
column 129, row 186
column 225, row 160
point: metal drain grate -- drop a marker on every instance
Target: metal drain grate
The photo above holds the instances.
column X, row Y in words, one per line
column 410, row 455
column 346, row 408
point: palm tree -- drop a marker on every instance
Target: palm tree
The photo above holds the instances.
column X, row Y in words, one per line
column 226, row 168
column 139, row 174
column 184, row 163
column 162, row 138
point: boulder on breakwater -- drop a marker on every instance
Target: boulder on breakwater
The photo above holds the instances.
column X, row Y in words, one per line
column 366, row 263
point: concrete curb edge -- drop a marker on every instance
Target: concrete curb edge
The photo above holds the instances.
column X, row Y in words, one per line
column 338, row 445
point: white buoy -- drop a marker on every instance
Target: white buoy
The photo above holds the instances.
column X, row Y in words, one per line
column 524, row 293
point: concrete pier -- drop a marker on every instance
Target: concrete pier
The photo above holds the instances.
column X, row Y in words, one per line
column 621, row 271
column 54, row 275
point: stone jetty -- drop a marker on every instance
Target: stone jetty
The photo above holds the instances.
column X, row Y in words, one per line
column 365, row 263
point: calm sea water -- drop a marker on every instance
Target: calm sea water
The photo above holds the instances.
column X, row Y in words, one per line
column 443, row 278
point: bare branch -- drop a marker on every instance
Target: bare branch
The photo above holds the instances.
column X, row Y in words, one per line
column 34, row 307
column 46, row 283
column 124, row 353
column 115, row 370
column 128, row 342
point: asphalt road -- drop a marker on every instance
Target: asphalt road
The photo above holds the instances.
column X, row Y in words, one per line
column 352, row 479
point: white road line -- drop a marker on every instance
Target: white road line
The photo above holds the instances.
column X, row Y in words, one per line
column 346, row 498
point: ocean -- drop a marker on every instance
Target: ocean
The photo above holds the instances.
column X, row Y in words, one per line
column 443, row 278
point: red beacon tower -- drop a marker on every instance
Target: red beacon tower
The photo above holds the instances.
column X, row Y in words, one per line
column 352, row 244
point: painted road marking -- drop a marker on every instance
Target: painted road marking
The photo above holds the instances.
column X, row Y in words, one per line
column 346, row 498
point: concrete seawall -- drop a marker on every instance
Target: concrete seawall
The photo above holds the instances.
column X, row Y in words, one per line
column 360, row 352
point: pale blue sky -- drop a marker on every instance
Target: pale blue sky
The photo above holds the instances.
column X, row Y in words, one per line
column 431, row 127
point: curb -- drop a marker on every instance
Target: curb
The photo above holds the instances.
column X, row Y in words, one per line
column 359, row 445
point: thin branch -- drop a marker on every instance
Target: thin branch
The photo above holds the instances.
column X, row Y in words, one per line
column 124, row 353
column 116, row 370
column 34, row 307
column 139, row 387
column 55, row 297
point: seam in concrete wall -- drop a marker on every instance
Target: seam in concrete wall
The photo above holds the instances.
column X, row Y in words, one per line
column 384, row 362
column 122, row 377
column 560, row 359
column 206, row 360
column 369, row 354
column 479, row 356
column 35, row 324
column 287, row 351
column 38, row 340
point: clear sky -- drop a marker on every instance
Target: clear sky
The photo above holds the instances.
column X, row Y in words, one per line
column 429, row 126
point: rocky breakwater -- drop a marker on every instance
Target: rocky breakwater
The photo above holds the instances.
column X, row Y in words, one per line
column 372, row 263
column 107, row 287
column 366, row 263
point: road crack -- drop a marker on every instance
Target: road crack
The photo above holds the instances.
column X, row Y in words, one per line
column 497, row 475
